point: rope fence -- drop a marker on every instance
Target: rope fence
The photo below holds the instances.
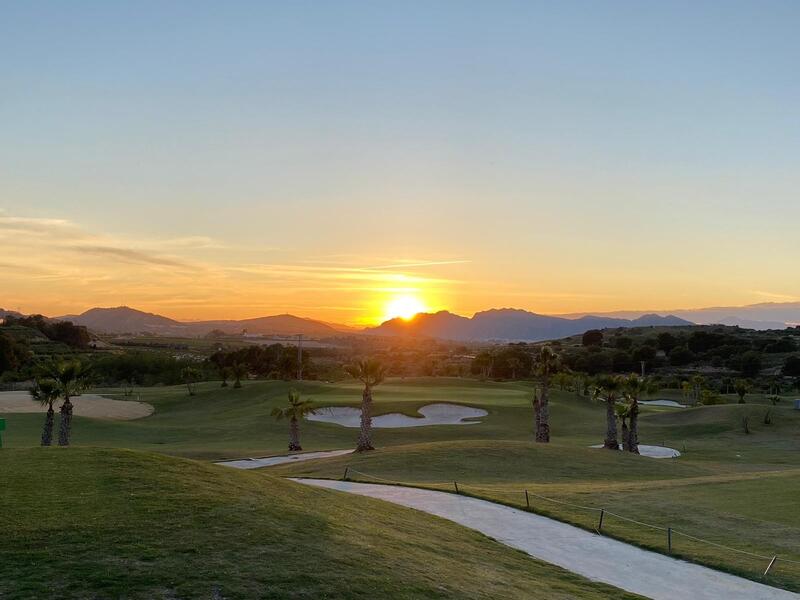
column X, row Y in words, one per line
column 601, row 512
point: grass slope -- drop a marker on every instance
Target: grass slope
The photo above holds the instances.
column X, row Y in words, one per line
column 747, row 506
column 93, row 523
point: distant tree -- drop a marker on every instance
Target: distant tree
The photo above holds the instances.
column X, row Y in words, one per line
column 609, row 388
column 623, row 342
column 371, row 373
column 791, row 366
column 224, row 373
column 238, row 370
column 750, row 363
column 10, row 354
column 741, row 387
column 514, row 364
column 698, row 382
column 622, row 362
column 666, row 341
column 680, row 356
column 593, row 337
column 483, row 364
column 547, row 364
column 71, row 378
column 294, row 412
column 46, row 392
column 190, row 376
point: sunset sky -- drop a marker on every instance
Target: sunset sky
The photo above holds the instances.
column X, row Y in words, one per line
column 349, row 160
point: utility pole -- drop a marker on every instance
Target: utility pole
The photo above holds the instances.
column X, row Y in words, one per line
column 300, row 357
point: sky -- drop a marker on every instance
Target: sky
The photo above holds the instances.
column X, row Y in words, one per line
column 349, row 161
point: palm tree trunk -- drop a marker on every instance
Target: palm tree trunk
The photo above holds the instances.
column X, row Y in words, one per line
column 633, row 444
column 65, row 427
column 47, row 432
column 626, row 436
column 611, row 441
column 537, row 415
column 294, row 435
column 543, row 429
column 365, row 434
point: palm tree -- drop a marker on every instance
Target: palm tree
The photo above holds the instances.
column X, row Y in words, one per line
column 190, row 376
column 296, row 411
column 370, row 372
column 239, row 370
column 515, row 365
column 623, row 412
column 741, row 387
column 71, row 378
column 635, row 388
column 225, row 373
column 608, row 389
column 546, row 365
column 46, row 392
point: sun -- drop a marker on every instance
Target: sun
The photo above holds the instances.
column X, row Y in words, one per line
column 404, row 307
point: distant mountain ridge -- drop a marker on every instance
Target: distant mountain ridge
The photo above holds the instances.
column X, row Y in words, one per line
column 510, row 324
column 764, row 315
column 123, row 319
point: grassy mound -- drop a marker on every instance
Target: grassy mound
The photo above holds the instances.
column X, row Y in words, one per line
column 98, row 523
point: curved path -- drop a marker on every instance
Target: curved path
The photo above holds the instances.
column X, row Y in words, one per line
column 596, row 557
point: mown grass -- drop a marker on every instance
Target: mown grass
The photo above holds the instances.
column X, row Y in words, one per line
column 749, row 507
column 729, row 487
column 97, row 523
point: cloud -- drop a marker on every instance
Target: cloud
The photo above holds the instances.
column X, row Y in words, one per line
column 128, row 255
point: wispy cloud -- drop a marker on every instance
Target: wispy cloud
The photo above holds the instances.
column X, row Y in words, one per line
column 128, row 255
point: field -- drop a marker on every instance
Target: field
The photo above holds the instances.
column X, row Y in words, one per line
column 731, row 488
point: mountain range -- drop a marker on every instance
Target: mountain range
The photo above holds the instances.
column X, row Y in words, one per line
column 510, row 324
column 765, row 315
column 123, row 319
column 495, row 324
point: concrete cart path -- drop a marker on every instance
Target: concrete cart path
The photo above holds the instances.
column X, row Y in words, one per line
column 271, row 461
column 596, row 557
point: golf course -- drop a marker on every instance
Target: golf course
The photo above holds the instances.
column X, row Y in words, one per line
column 139, row 505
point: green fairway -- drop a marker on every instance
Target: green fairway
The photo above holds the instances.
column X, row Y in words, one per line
column 728, row 487
column 92, row 523
column 747, row 506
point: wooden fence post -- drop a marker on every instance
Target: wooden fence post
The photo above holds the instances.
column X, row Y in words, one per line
column 345, row 473
column 772, row 562
column 669, row 540
column 602, row 514
column 456, row 486
column 527, row 500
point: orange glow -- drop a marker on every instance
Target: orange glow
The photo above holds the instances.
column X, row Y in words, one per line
column 404, row 307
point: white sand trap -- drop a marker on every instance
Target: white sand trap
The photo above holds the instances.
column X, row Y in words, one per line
column 86, row 405
column 669, row 403
column 271, row 461
column 651, row 451
column 432, row 414
column 596, row 557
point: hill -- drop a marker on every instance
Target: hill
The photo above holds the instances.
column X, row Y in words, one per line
column 510, row 325
column 151, row 526
column 762, row 316
column 123, row 319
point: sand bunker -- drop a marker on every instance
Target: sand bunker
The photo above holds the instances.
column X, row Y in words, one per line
column 271, row 461
column 669, row 403
column 652, row 451
column 432, row 414
column 86, row 405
